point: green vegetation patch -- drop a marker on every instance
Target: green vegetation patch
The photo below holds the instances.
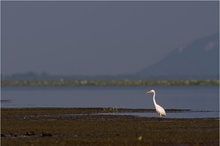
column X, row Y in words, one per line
column 112, row 83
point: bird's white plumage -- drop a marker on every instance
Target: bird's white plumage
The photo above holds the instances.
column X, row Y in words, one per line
column 161, row 112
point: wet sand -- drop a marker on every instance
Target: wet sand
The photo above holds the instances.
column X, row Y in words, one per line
column 83, row 126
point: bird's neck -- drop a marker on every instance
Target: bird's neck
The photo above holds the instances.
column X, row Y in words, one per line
column 155, row 103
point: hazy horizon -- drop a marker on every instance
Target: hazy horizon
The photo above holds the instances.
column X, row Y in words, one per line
column 95, row 38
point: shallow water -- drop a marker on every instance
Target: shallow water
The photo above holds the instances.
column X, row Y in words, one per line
column 196, row 98
column 192, row 114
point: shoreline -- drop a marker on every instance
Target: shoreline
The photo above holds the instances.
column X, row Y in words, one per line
column 135, row 112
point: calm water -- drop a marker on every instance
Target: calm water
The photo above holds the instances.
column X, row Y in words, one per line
column 196, row 98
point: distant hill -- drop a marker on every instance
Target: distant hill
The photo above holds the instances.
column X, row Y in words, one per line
column 197, row 60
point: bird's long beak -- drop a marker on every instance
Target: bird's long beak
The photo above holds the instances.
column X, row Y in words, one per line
column 148, row 92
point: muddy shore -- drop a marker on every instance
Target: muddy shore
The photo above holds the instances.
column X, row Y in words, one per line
column 82, row 126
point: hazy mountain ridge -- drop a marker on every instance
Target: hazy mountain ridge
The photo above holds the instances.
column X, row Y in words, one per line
column 197, row 60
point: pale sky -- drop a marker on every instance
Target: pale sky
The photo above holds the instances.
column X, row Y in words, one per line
column 90, row 38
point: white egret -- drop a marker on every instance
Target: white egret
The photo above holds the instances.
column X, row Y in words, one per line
column 161, row 112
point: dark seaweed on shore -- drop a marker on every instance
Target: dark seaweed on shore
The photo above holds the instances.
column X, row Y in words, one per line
column 79, row 126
